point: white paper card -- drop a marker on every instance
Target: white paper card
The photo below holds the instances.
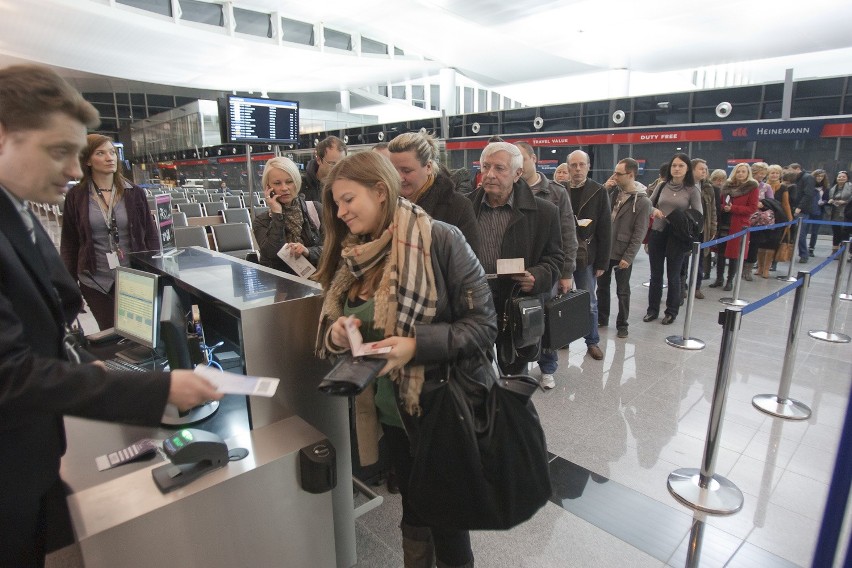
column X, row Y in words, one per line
column 357, row 342
column 112, row 260
column 584, row 222
column 231, row 383
column 510, row 266
column 300, row 265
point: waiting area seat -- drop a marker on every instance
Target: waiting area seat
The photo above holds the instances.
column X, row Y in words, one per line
column 258, row 211
column 179, row 219
column 191, row 237
column 234, row 201
column 233, row 239
column 213, row 208
column 238, row 215
column 191, row 209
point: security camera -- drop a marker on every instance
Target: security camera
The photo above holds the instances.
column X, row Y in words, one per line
column 538, row 122
column 724, row 109
column 618, row 116
column 474, row 127
column 381, row 136
column 346, row 139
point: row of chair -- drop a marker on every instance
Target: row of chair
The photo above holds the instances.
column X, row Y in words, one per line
column 233, row 239
column 241, row 215
column 212, row 208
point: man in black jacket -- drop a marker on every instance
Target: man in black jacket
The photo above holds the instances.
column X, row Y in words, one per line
column 805, row 207
column 513, row 224
column 42, row 131
column 592, row 210
column 329, row 151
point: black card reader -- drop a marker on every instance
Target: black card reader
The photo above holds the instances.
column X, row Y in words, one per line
column 193, row 453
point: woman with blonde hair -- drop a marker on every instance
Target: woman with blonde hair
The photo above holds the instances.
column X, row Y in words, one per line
column 105, row 217
column 739, row 199
column 414, row 285
column 424, row 181
column 291, row 221
column 562, row 175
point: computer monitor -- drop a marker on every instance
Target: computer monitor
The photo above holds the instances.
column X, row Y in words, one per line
column 136, row 305
column 181, row 355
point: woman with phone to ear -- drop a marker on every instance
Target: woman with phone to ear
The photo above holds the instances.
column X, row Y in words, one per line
column 414, row 285
column 291, row 220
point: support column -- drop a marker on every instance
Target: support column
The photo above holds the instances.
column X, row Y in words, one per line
column 448, row 90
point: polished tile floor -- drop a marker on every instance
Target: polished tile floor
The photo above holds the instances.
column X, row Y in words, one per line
column 617, row 428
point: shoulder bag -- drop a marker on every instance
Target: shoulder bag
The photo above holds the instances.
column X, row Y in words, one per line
column 480, row 458
column 519, row 339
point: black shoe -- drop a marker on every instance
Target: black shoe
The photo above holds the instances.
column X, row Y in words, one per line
column 728, row 286
column 392, row 483
column 603, row 323
column 622, row 332
column 717, row 283
column 803, row 260
column 650, row 316
column 811, row 252
column 667, row 319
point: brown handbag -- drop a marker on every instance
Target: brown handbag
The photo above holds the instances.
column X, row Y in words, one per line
column 784, row 252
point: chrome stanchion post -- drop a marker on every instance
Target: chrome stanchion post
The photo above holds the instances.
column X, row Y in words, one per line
column 735, row 301
column 684, row 341
column 703, row 489
column 828, row 334
column 789, row 278
column 781, row 405
column 847, row 258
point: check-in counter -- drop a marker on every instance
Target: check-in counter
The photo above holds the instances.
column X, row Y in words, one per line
column 269, row 319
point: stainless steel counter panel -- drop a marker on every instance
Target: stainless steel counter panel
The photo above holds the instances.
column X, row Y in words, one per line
column 275, row 316
column 249, row 513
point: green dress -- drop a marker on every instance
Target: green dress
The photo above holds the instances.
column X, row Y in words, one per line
column 384, row 391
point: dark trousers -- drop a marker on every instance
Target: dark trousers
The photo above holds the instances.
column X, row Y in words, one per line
column 622, row 292
column 33, row 525
column 452, row 547
column 722, row 261
column 839, row 234
column 101, row 305
column 671, row 262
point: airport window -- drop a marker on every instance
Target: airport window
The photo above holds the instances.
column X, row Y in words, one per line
column 123, row 111
column 100, row 97
column 468, row 100
column 772, row 110
column 713, row 97
column 560, row 117
column 398, row 51
column 122, row 98
column 294, row 31
column 252, row 23
column 163, row 7
column 383, row 90
column 418, row 92
column 811, row 153
column 398, row 92
column 818, row 88
column 519, row 121
column 416, row 125
column 595, row 114
column 457, row 127
column 202, row 12
column 495, row 101
column 165, row 101
column 138, row 98
column 482, row 100
column 338, row 40
column 489, row 124
column 823, row 106
column 435, row 95
column 373, row 46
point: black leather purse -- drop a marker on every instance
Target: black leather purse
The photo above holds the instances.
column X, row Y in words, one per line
column 480, row 458
column 519, row 340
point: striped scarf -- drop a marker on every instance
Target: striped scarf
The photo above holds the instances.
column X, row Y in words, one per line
column 406, row 294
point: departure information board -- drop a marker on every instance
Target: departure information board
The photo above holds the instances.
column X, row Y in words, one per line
column 262, row 120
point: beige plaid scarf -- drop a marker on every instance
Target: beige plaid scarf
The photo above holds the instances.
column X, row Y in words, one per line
column 406, row 295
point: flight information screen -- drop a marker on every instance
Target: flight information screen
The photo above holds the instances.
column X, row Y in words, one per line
column 262, row 120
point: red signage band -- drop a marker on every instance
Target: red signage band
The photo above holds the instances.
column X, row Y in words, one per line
column 647, row 137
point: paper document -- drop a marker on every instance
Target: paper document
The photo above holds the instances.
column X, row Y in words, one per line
column 510, row 266
column 231, row 383
column 357, row 342
column 300, row 265
column 584, row 222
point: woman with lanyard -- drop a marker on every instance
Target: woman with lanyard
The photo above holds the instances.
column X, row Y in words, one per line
column 676, row 191
column 104, row 219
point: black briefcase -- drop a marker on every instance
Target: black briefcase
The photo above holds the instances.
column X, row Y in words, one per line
column 566, row 318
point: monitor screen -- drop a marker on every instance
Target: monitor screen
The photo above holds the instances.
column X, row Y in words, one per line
column 136, row 306
column 173, row 331
column 262, row 120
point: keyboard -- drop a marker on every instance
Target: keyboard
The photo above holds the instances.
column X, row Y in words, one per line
column 117, row 364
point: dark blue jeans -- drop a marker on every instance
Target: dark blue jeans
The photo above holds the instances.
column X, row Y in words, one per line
column 622, row 292
column 803, row 236
column 671, row 263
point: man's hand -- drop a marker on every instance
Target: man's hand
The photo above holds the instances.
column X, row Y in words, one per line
column 527, row 281
column 598, row 273
column 188, row 390
column 565, row 285
column 622, row 264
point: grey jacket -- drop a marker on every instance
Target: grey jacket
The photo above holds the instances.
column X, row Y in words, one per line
column 558, row 195
column 630, row 224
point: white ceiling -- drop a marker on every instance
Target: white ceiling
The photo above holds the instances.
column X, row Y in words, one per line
column 497, row 43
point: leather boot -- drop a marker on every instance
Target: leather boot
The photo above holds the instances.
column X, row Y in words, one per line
column 729, row 285
column 748, row 268
column 417, row 548
column 768, row 260
column 717, row 283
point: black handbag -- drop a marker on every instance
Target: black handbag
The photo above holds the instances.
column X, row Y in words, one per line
column 519, row 339
column 566, row 318
column 480, row 458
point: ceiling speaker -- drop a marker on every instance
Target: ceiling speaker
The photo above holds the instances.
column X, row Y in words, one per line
column 475, row 127
column 381, row 136
column 618, row 116
column 724, row 109
column 538, row 122
column 346, row 139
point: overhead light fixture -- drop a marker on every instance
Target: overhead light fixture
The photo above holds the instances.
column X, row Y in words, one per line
column 663, row 104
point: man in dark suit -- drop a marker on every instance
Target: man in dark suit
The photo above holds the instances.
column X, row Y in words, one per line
column 43, row 124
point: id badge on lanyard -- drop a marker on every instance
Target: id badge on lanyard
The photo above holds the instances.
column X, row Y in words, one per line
column 116, row 255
